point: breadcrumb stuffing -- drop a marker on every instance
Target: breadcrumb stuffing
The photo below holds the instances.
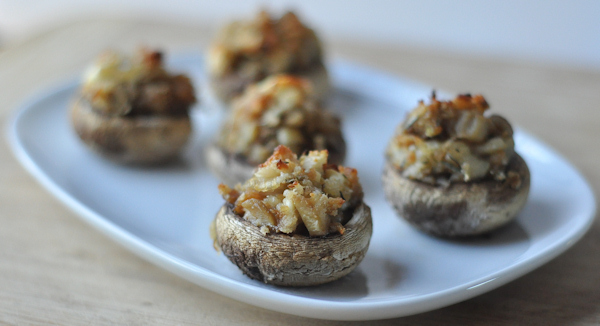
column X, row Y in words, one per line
column 297, row 195
column 280, row 110
column 452, row 141
column 117, row 84
column 264, row 46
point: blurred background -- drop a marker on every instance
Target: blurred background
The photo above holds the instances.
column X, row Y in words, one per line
column 553, row 32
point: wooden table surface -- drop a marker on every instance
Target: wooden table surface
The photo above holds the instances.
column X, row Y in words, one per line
column 56, row 269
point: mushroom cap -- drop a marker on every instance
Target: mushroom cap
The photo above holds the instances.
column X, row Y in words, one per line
column 232, row 169
column 461, row 209
column 293, row 260
column 229, row 86
column 141, row 139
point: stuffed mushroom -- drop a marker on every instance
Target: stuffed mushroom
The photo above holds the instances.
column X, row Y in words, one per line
column 131, row 110
column 296, row 222
column 245, row 52
column 452, row 171
column 280, row 110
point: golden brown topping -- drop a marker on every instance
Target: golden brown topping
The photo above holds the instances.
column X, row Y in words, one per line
column 443, row 142
column 291, row 195
column 264, row 46
column 278, row 110
column 120, row 85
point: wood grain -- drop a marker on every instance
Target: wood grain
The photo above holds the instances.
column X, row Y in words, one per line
column 56, row 270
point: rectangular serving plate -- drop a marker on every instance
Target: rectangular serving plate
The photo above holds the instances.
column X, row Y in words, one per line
column 163, row 214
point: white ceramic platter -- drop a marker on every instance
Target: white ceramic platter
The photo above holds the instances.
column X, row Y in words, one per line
column 163, row 214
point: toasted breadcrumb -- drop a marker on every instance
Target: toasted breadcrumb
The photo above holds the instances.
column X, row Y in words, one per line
column 452, row 141
column 120, row 85
column 264, row 46
column 289, row 194
column 278, row 111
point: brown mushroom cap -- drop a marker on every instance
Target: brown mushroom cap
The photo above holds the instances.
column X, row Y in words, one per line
column 293, row 260
column 228, row 86
column 461, row 209
column 141, row 139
